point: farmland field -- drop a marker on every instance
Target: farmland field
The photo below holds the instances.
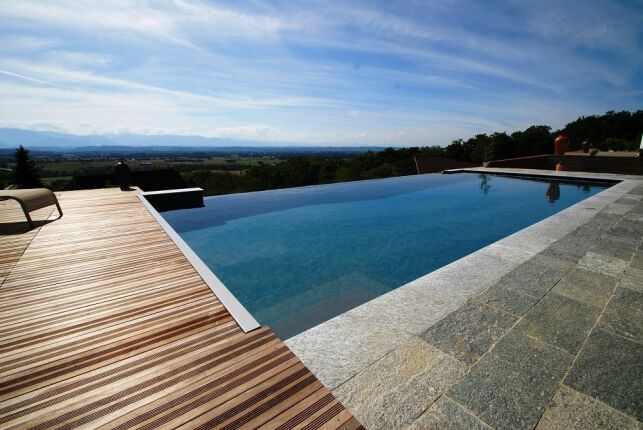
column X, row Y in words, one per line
column 57, row 170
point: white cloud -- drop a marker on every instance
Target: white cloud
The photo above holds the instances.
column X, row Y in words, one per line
column 93, row 82
column 170, row 21
column 77, row 59
column 248, row 132
column 22, row 44
column 95, row 15
column 26, row 78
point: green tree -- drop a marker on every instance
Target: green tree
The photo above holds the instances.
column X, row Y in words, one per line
column 535, row 140
column 479, row 144
column 624, row 126
column 455, row 150
column 499, row 147
column 25, row 172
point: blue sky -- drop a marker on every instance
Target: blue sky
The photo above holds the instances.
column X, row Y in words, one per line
column 327, row 72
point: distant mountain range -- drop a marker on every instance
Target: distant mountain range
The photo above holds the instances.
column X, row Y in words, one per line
column 46, row 141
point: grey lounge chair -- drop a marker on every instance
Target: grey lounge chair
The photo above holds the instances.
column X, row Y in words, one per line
column 31, row 200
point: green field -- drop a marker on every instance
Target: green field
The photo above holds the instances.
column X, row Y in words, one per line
column 73, row 165
column 57, row 170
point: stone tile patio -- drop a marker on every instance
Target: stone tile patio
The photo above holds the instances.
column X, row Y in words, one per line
column 549, row 339
column 510, row 387
column 571, row 410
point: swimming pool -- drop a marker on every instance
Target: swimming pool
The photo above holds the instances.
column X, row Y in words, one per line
column 297, row 257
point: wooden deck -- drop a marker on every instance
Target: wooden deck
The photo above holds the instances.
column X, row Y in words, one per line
column 105, row 324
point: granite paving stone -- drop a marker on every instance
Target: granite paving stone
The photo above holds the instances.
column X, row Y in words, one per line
column 507, row 252
column 339, row 348
column 563, row 223
column 510, row 386
column 632, row 279
column 631, row 242
column 603, row 264
column 618, row 208
column 603, row 221
column 628, row 200
column 470, row 331
column 576, row 244
column 610, row 369
column 625, row 231
column 536, row 276
column 634, row 216
column 571, row 410
column 395, row 390
column 586, row 286
column 599, row 225
column 532, row 354
column 532, row 239
column 624, row 236
column 478, row 271
column 624, row 314
column 616, row 247
column 412, row 308
column 560, row 321
column 637, row 261
column 507, row 299
column 445, row 414
column 571, row 247
column 632, row 227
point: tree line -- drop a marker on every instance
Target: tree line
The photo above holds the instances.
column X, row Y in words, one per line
column 619, row 131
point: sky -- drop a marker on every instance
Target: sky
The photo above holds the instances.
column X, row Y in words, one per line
column 394, row 73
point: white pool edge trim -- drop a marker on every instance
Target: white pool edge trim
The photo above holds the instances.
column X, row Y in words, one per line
column 176, row 191
column 240, row 314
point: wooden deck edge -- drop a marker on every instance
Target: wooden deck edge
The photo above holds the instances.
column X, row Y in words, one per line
column 240, row 314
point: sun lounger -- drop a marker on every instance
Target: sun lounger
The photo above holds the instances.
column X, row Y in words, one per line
column 31, row 200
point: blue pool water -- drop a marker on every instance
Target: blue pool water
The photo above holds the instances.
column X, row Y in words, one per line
column 297, row 257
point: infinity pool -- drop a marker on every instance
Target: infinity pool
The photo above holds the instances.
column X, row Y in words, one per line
column 300, row 256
